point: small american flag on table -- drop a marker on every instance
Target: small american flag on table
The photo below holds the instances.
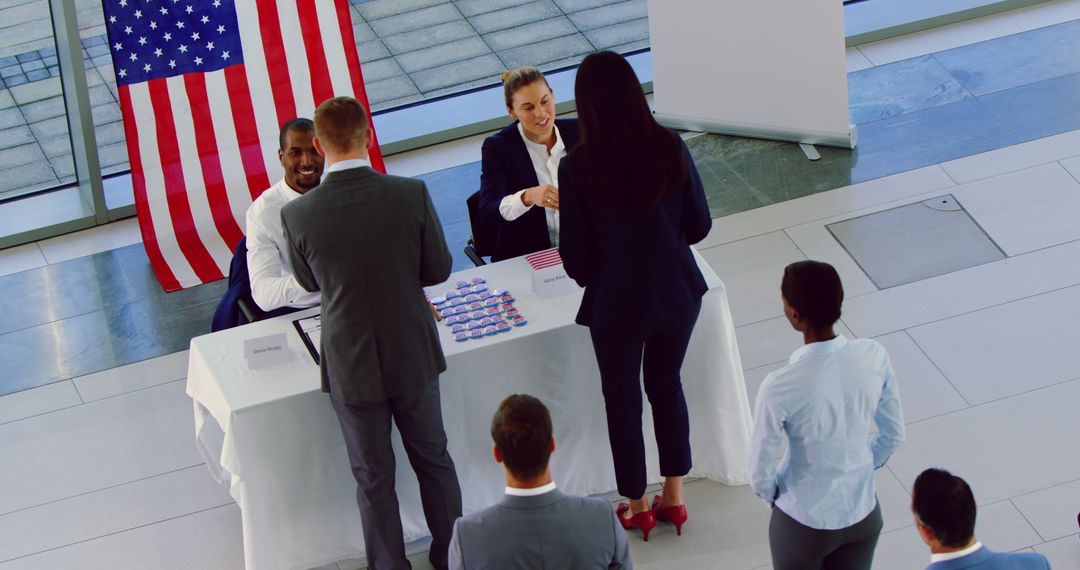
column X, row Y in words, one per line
column 204, row 87
column 544, row 259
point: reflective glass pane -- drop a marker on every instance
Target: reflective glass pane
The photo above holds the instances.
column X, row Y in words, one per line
column 411, row 51
column 35, row 149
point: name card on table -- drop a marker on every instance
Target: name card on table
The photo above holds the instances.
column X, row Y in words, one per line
column 267, row 351
column 549, row 278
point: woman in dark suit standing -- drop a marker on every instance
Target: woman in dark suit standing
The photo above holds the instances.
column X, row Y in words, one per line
column 632, row 203
column 519, row 181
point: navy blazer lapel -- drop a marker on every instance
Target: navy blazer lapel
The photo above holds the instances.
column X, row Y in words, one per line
column 534, row 502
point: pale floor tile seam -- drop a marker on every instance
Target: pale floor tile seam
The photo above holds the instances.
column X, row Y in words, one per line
column 998, row 400
column 200, row 511
column 1028, row 521
column 139, row 389
column 845, row 212
column 764, row 365
column 84, row 402
column 38, row 415
column 1054, row 486
column 1028, row 166
column 1062, row 164
column 77, row 392
column 936, row 367
column 945, row 171
column 1007, row 257
column 106, row 488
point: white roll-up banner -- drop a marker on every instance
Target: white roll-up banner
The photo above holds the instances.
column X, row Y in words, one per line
column 772, row 69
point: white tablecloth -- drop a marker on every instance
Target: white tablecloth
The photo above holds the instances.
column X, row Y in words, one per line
column 278, row 445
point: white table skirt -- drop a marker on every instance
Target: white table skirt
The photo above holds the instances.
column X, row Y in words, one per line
column 278, row 445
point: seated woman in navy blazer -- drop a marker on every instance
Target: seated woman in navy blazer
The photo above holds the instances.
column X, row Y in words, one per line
column 632, row 203
column 519, row 182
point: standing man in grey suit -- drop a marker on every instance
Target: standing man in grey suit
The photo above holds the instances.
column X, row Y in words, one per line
column 944, row 510
column 536, row 525
column 369, row 242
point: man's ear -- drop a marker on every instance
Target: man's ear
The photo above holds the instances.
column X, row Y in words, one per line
column 370, row 138
column 318, row 147
column 496, row 454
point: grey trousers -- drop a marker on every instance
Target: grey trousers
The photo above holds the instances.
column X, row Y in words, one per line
column 796, row 546
column 366, row 428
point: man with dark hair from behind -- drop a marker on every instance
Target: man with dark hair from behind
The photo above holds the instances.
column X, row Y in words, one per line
column 944, row 510
column 535, row 525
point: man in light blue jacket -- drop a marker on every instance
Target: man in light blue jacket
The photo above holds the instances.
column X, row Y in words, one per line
column 944, row 510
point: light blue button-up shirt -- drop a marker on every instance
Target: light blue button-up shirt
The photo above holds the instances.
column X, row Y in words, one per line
column 827, row 400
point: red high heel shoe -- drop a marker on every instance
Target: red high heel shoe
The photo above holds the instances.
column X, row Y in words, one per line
column 675, row 515
column 645, row 521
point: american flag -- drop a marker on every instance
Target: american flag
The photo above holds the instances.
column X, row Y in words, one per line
column 544, row 259
column 204, row 86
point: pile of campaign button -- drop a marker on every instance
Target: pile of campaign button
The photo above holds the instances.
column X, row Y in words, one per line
column 473, row 311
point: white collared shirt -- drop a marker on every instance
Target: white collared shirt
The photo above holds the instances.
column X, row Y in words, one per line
column 535, row 491
column 953, row 555
column 826, row 401
column 273, row 284
column 346, row 164
column 546, row 166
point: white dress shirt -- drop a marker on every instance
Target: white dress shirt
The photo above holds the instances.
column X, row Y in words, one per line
column 826, row 402
column 270, row 271
column 546, row 166
column 535, row 491
column 953, row 555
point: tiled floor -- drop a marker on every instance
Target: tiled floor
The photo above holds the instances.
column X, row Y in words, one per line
column 100, row 470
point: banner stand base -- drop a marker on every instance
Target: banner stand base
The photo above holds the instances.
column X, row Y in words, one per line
column 841, row 140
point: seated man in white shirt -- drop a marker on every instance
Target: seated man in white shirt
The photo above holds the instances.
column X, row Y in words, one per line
column 944, row 509
column 535, row 525
column 270, row 271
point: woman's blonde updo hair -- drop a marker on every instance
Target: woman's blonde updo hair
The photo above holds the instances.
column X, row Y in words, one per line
column 514, row 79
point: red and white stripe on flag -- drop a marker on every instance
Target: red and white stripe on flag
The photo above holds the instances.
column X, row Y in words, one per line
column 544, row 259
column 204, row 144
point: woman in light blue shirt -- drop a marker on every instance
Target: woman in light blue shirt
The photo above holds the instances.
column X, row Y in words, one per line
column 832, row 394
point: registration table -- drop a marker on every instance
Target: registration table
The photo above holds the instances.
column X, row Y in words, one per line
column 270, row 434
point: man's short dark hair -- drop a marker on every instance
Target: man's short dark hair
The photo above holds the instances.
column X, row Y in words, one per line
column 521, row 429
column 944, row 504
column 298, row 124
column 814, row 290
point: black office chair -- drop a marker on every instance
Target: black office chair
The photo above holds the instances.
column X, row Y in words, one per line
column 237, row 307
column 479, row 245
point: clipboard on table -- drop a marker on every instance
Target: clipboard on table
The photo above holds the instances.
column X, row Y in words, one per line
column 310, row 330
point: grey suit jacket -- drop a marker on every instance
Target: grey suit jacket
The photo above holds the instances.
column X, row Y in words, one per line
column 553, row 531
column 986, row 559
column 369, row 242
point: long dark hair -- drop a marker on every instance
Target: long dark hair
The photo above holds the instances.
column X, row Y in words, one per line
column 625, row 157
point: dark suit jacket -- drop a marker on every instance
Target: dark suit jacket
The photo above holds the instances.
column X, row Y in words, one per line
column 637, row 269
column 369, row 242
column 553, row 530
column 507, row 168
column 986, row 559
